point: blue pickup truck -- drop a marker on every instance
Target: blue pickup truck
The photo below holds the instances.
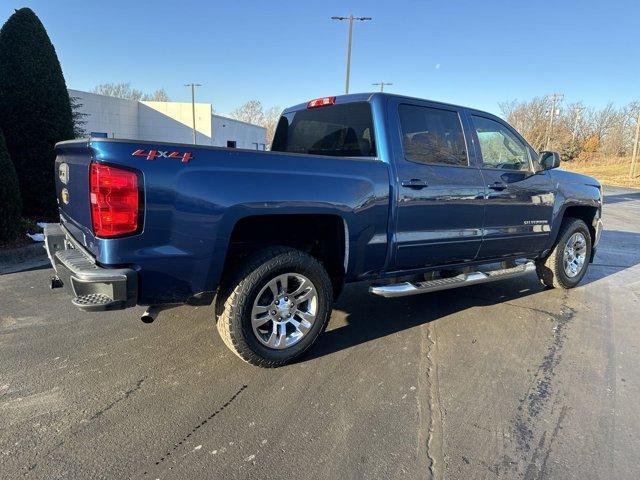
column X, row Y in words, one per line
column 412, row 195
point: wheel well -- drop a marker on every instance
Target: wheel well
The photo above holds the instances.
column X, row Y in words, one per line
column 321, row 236
column 584, row 213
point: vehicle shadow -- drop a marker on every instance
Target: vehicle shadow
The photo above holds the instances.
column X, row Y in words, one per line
column 369, row 317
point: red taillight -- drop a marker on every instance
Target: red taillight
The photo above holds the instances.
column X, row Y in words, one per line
column 115, row 205
column 321, row 102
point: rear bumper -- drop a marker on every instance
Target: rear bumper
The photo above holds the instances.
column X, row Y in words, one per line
column 92, row 287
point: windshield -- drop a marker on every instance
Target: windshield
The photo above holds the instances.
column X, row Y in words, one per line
column 344, row 130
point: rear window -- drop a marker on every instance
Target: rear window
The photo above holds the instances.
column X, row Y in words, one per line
column 432, row 136
column 344, row 130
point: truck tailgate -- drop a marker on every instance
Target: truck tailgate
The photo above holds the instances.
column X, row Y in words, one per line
column 73, row 159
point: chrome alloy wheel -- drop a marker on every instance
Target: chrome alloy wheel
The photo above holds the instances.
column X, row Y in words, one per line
column 575, row 254
column 284, row 310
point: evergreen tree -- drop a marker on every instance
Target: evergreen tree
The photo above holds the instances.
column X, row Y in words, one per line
column 35, row 108
column 10, row 203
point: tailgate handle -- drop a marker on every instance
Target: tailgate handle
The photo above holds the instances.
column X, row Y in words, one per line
column 414, row 183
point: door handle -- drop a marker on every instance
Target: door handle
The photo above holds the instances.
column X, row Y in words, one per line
column 497, row 186
column 414, row 183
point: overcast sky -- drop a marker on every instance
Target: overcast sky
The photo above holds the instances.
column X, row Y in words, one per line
column 282, row 52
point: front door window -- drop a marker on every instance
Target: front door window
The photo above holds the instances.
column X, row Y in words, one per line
column 500, row 148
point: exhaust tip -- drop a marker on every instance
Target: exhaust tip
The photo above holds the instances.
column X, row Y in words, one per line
column 150, row 314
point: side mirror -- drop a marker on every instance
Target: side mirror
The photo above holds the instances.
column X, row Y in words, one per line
column 549, row 160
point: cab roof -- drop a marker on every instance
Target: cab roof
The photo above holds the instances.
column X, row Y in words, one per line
column 368, row 96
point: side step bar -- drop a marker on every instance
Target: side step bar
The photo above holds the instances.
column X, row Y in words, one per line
column 404, row 289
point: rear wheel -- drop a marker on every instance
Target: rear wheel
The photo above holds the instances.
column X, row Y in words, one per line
column 567, row 263
column 276, row 306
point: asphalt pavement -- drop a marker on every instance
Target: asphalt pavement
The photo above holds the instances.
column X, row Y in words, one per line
column 502, row 380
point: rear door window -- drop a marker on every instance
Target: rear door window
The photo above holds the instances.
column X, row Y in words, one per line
column 432, row 136
column 343, row 130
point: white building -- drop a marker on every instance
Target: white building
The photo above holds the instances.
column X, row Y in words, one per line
column 165, row 122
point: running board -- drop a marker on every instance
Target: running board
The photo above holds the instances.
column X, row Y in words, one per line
column 407, row 288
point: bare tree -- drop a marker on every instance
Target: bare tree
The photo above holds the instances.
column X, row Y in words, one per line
column 159, row 95
column 118, row 90
column 271, row 117
column 529, row 118
column 250, row 112
column 578, row 131
column 253, row 112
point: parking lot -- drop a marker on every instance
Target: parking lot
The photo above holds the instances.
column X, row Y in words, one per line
column 505, row 380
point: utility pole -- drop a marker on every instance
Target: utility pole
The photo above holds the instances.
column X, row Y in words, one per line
column 382, row 84
column 578, row 111
column 193, row 106
column 636, row 146
column 555, row 98
column 351, row 18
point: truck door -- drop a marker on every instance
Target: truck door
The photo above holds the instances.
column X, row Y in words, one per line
column 439, row 191
column 519, row 201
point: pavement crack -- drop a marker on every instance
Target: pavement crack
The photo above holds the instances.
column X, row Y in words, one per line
column 184, row 439
column 122, row 398
column 435, row 451
column 84, row 423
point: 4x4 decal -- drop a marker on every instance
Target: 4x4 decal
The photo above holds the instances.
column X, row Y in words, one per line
column 184, row 157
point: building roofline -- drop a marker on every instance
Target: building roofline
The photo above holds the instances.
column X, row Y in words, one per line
column 153, row 101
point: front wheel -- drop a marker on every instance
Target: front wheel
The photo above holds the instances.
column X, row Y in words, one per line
column 567, row 263
column 276, row 306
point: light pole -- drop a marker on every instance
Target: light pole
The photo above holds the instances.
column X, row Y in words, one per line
column 351, row 18
column 193, row 106
column 382, row 84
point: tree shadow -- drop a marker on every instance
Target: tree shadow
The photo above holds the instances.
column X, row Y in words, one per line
column 618, row 250
column 629, row 196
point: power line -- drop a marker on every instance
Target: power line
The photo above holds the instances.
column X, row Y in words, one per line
column 351, row 18
column 193, row 106
column 382, row 84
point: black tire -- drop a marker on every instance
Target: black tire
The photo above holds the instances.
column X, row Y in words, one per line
column 550, row 269
column 236, row 298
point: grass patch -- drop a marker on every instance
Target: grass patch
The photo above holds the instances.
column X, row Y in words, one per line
column 608, row 170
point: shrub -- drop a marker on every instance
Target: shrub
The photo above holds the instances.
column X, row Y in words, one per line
column 35, row 107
